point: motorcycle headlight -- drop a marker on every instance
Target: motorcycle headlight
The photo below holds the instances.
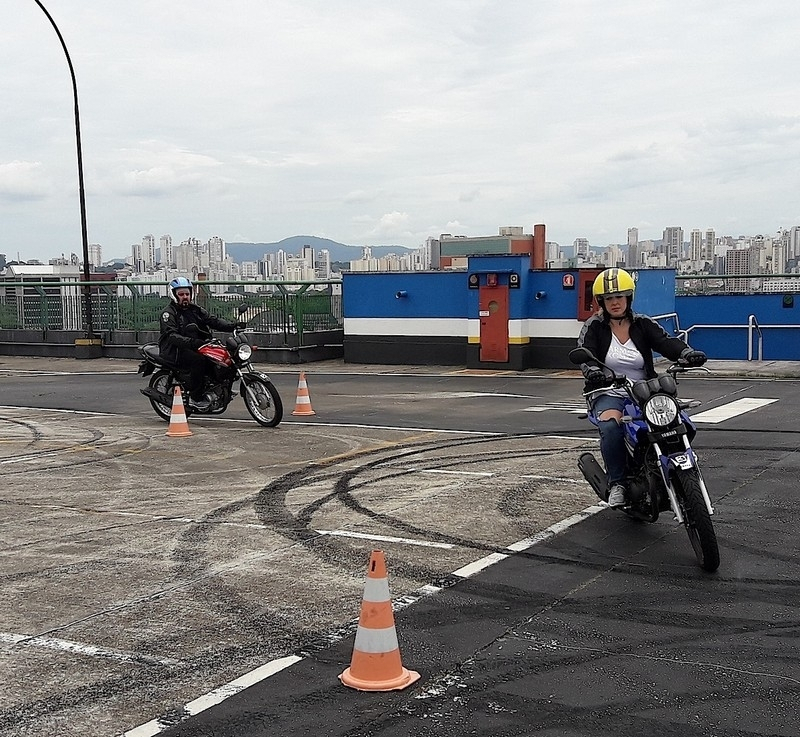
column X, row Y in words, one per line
column 661, row 410
column 244, row 352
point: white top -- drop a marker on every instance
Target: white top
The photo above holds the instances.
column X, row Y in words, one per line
column 624, row 358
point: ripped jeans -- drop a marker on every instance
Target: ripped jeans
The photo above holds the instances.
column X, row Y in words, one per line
column 612, row 438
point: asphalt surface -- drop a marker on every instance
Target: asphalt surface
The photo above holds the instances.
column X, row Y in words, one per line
column 145, row 597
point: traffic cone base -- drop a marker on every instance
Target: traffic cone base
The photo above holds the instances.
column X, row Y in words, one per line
column 406, row 677
column 178, row 425
column 376, row 664
column 303, row 404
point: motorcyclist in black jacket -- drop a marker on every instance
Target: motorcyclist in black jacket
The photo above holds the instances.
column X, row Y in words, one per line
column 184, row 328
column 625, row 341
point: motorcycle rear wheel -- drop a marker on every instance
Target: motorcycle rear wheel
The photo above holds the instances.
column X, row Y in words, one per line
column 162, row 381
column 697, row 520
column 263, row 402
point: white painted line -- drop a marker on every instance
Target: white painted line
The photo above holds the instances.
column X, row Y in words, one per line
column 63, row 411
column 554, row 478
column 155, row 726
column 79, row 648
column 731, row 409
column 385, row 538
column 479, row 565
column 456, row 473
column 217, row 696
column 556, row 528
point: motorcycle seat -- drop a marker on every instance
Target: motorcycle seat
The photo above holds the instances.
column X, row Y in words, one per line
column 151, row 353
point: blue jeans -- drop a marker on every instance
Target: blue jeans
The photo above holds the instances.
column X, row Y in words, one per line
column 612, row 439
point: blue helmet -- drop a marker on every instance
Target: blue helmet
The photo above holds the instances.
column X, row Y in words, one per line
column 180, row 282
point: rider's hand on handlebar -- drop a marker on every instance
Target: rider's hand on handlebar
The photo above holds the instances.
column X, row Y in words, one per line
column 691, row 357
column 596, row 379
column 240, row 325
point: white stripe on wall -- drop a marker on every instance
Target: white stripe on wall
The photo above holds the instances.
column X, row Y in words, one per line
column 406, row 326
column 458, row 327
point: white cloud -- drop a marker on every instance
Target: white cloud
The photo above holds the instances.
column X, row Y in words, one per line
column 368, row 122
column 23, row 180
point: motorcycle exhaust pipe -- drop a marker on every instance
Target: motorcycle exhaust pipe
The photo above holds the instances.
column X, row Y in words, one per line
column 157, row 396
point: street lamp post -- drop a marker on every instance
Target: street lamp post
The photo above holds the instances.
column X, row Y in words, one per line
column 87, row 292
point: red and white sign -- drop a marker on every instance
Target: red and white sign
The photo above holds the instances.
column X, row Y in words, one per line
column 568, row 281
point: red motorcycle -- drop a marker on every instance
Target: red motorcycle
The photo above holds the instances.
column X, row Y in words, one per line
column 229, row 362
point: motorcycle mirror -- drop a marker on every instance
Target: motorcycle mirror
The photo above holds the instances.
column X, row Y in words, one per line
column 242, row 308
column 581, row 355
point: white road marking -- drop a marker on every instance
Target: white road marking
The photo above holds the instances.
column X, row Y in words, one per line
column 384, row 538
column 55, row 643
column 576, row 407
column 454, row 473
column 155, row 726
column 553, row 478
column 731, row 409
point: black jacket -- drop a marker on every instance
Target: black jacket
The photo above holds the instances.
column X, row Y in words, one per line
column 647, row 335
column 177, row 333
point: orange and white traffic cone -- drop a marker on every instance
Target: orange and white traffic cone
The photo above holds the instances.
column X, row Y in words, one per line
column 376, row 664
column 178, row 426
column 303, row 404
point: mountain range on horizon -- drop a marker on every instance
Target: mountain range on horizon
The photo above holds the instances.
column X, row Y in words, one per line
column 340, row 252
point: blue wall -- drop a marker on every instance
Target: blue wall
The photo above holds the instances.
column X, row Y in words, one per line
column 446, row 294
column 428, row 294
column 779, row 344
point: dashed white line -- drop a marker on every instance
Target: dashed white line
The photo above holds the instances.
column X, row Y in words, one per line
column 155, row 726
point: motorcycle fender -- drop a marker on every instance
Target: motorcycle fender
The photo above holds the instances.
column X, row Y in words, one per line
column 683, row 461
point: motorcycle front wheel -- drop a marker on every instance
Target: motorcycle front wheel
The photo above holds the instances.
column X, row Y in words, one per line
column 263, row 402
column 696, row 519
column 162, row 381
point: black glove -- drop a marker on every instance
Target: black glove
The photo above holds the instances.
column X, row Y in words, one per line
column 240, row 326
column 691, row 357
column 196, row 343
column 596, row 379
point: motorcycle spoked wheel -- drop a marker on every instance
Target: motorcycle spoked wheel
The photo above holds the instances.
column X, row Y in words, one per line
column 263, row 402
column 696, row 518
column 162, row 381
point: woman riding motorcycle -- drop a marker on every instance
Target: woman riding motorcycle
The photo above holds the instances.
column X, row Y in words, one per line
column 624, row 341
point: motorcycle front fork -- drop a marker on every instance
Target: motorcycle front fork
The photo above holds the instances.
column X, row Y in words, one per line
column 673, row 499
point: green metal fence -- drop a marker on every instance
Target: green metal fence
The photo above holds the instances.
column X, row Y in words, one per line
column 272, row 307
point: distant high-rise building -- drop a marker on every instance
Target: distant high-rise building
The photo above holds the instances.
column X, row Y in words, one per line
column 672, row 244
column 738, row 261
column 696, row 248
column 166, row 256
column 709, row 245
column 323, row 265
column 216, row 250
column 581, row 247
column 137, row 258
column 148, row 252
column 632, row 256
column 95, row 255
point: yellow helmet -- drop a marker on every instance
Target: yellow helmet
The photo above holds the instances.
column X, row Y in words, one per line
column 611, row 282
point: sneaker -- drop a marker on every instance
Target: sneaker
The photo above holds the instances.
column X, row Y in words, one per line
column 616, row 496
column 201, row 405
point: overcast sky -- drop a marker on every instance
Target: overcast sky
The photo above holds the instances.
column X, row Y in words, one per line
column 375, row 123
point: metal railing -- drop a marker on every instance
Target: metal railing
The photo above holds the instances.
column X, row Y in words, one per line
column 753, row 329
column 706, row 284
column 288, row 307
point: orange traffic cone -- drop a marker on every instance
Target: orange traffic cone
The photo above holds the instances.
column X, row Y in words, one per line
column 376, row 664
column 178, row 426
column 303, row 404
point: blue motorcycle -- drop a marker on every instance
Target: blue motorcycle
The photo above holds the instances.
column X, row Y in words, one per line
column 663, row 472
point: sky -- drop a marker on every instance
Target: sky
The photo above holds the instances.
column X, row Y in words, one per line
column 385, row 123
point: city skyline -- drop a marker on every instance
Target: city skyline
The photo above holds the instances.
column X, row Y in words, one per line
column 389, row 124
